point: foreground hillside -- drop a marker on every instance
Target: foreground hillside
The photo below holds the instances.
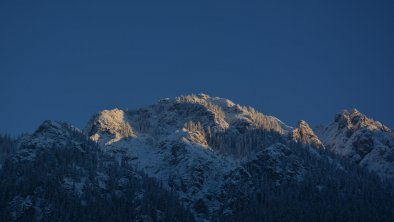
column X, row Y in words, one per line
column 57, row 174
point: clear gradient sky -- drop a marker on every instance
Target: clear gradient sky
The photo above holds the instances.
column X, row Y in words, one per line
column 66, row 60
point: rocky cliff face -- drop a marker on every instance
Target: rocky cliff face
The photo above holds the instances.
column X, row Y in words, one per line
column 305, row 135
column 361, row 140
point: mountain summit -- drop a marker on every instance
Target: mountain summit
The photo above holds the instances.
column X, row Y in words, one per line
column 362, row 140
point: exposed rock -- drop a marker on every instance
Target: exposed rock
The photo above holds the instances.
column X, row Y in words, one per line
column 305, row 135
column 361, row 140
column 111, row 124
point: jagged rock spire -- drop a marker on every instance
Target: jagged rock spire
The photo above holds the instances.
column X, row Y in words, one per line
column 304, row 134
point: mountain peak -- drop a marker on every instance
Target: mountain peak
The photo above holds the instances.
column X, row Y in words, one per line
column 204, row 99
column 303, row 123
column 49, row 134
column 354, row 119
column 51, row 126
column 304, row 134
column 168, row 117
column 362, row 140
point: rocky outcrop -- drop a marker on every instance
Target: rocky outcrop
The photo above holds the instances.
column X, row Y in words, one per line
column 110, row 124
column 362, row 140
column 305, row 135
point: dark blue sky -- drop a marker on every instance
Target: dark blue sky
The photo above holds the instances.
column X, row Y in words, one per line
column 66, row 60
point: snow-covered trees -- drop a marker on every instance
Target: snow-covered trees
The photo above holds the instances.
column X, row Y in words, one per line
column 262, row 121
column 197, row 133
column 201, row 99
column 241, row 144
column 75, row 181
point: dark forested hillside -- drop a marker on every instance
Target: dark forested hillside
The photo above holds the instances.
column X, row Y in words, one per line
column 332, row 189
column 76, row 181
column 7, row 146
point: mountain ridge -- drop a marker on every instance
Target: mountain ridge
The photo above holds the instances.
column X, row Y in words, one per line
column 215, row 154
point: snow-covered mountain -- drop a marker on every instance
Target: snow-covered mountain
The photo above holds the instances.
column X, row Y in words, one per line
column 218, row 160
column 205, row 148
column 196, row 145
column 57, row 174
column 361, row 140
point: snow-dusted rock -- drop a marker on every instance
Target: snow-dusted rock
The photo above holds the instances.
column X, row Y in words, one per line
column 362, row 140
column 305, row 135
column 50, row 134
column 111, row 124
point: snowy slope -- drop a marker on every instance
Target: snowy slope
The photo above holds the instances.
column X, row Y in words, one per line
column 198, row 146
column 362, row 140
